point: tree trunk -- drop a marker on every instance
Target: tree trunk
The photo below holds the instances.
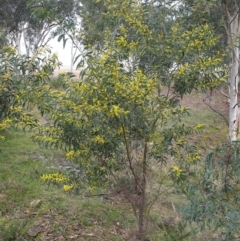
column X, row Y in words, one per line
column 142, row 205
column 18, row 42
column 234, row 33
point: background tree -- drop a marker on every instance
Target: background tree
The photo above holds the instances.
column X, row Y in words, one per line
column 224, row 16
column 33, row 23
column 48, row 18
column 13, row 16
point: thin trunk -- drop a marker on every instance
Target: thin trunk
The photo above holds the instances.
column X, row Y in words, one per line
column 18, row 42
column 72, row 58
column 142, row 205
column 27, row 49
column 74, row 50
column 234, row 77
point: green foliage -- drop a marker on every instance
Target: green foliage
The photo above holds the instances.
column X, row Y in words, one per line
column 51, row 10
column 214, row 194
column 12, row 14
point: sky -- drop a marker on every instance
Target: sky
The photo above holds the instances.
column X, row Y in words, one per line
column 64, row 54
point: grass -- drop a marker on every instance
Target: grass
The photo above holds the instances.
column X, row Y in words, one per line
column 214, row 125
column 32, row 209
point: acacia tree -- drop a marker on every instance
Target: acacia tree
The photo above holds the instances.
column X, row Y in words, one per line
column 124, row 119
column 23, row 81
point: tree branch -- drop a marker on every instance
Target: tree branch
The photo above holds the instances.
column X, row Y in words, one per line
column 129, row 157
column 235, row 16
column 214, row 110
column 225, row 95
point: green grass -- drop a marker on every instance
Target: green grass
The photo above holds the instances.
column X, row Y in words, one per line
column 27, row 203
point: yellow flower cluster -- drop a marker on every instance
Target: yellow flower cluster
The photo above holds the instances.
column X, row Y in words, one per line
column 70, row 155
column 27, row 119
column 5, row 124
column 104, row 57
column 56, row 177
column 74, row 154
column 205, row 65
column 91, row 188
column 120, row 131
column 99, row 140
column 46, row 139
column 181, row 141
column 6, row 76
column 177, row 170
column 42, row 74
column 115, row 111
column 198, row 38
column 193, row 157
column 123, row 29
column 199, row 126
column 16, row 109
column 121, row 41
column 67, row 188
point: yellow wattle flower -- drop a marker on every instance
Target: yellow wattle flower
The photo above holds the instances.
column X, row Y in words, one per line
column 177, row 170
column 67, row 188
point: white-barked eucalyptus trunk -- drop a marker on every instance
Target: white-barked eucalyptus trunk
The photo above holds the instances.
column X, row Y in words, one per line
column 233, row 29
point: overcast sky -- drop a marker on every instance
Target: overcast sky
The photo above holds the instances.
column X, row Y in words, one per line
column 64, row 55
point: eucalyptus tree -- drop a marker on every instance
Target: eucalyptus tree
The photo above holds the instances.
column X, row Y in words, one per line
column 232, row 27
column 13, row 16
column 47, row 17
column 34, row 22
